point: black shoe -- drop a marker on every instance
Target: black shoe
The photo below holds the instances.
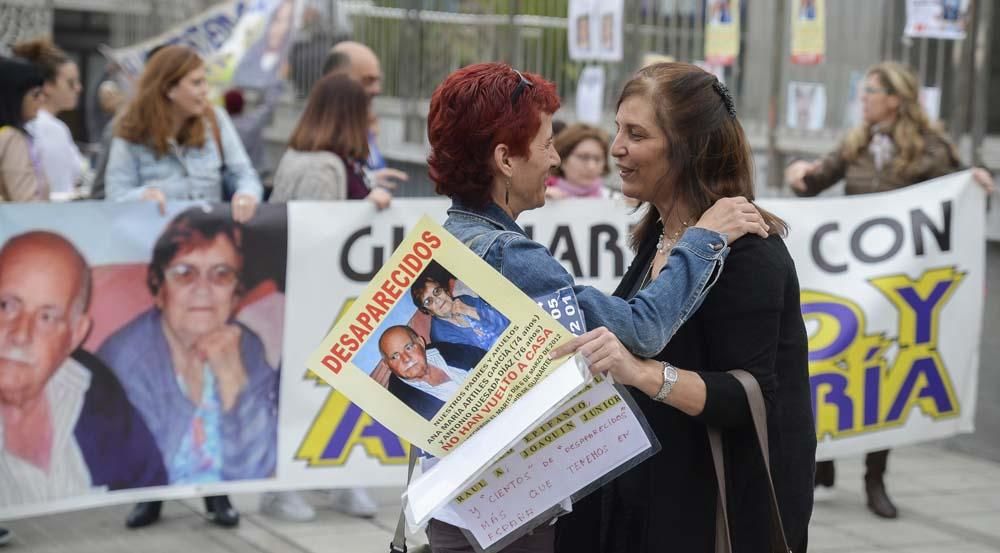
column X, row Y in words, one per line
column 825, row 474
column 5, row 536
column 144, row 514
column 221, row 511
column 878, row 500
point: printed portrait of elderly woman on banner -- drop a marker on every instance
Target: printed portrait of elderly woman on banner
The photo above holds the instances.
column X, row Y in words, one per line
column 158, row 364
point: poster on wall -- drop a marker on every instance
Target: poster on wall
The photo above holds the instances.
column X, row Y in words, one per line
column 806, row 106
column 595, row 30
column 944, row 19
column 808, row 31
column 590, row 95
column 722, row 32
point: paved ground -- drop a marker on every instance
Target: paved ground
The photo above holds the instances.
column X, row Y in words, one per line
column 949, row 502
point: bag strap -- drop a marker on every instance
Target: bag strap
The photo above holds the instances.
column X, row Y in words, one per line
column 217, row 135
column 398, row 543
column 758, row 412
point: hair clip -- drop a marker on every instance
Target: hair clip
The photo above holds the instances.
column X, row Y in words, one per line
column 727, row 98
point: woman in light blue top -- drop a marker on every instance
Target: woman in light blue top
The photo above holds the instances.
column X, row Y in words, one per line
column 172, row 144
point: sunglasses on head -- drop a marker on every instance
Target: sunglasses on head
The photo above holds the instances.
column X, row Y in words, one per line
column 519, row 89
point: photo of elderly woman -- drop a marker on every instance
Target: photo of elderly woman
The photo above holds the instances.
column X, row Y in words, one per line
column 458, row 316
column 201, row 379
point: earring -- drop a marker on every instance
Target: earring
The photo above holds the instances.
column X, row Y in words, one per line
column 506, row 197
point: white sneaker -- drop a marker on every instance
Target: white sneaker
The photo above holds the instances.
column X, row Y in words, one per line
column 353, row 501
column 290, row 506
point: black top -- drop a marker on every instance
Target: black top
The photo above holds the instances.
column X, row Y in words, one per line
column 751, row 320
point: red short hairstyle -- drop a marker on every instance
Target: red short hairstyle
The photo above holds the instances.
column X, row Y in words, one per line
column 471, row 113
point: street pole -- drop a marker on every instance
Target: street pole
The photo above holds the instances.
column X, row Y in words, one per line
column 775, row 164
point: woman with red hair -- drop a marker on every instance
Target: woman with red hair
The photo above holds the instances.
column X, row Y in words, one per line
column 490, row 130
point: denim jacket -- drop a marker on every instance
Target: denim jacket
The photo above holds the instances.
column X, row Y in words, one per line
column 183, row 173
column 645, row 323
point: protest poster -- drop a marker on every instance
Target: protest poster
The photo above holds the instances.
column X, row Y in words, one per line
column 594, row 437
column 943, row 19
column 440, row 343
column 305, row 265
column 722, row 32
column 244, row 43
column 808, row 31
column 806, row 106
column 595, row 30
column 590, row 95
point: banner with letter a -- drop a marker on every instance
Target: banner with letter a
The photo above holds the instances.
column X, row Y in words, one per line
column 892, row 290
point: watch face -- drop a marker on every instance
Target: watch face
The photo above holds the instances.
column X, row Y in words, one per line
column 670, row 373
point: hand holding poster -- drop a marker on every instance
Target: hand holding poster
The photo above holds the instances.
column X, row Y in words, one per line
column 594, row 437
column 436, row 382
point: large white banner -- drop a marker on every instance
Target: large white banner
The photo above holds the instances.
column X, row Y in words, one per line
column 879, row 275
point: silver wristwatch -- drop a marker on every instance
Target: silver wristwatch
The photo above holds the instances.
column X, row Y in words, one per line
column 669, row 379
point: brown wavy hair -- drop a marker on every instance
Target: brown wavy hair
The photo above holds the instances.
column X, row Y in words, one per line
column 708, row 153
column 335, row 119
column 43, row 53
column 148, row 119
column 912, row 126
column 567, row 140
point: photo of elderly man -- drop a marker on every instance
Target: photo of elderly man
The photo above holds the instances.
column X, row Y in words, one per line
column 66, row 426
column 425, row 376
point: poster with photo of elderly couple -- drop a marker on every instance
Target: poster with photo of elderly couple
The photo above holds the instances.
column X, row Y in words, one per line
column 137, row 351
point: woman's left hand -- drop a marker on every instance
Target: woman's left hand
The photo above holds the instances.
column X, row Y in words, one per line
column 221, row 349
column 984, row 179
column 244, row 207
column 606, row 353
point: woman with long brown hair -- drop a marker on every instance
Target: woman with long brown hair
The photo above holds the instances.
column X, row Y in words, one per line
column 894, row 146
column 172, row 144
column 679, row 148
column 58, row 156
column 325, row 162
column 327, row 149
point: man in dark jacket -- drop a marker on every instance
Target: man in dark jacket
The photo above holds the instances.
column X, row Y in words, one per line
column 425, row 376
column 66, row 426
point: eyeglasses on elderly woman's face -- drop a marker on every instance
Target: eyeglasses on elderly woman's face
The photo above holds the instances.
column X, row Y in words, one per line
column 429, row 299
column 519, row 89
column 185, row 274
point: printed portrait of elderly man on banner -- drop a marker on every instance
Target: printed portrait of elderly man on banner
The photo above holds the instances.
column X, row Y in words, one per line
column 153, row 362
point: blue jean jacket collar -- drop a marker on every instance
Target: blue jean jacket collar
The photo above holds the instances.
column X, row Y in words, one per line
column 491, row 213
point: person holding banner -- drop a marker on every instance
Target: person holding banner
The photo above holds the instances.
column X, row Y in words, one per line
column 490, row 130
column 201, row 381
column 21, row 177
column 324, row 163
column 895, row 146
column 172, row 144
column 327, row 149
column 679, row 144
column 60, row 159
